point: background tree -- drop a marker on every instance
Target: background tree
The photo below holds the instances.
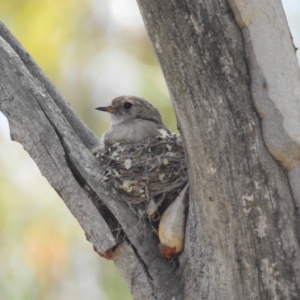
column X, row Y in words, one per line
column 241, row 237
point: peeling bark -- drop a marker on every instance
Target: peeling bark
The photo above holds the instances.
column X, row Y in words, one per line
column 275, row 81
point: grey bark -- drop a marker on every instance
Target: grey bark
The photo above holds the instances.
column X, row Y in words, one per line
column 42, row 121
column 242, row 231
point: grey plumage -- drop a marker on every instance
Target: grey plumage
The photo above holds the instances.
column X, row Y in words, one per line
column 133, row 120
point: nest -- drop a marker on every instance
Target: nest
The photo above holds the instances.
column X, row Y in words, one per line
column 149, row 174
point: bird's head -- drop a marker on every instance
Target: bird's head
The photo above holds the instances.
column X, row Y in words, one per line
column 128, row 108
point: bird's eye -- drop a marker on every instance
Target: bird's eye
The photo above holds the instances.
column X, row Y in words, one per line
column 127, row 105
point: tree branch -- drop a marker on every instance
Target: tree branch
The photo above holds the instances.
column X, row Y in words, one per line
column 86, row 136
column 23, row 101
column 47, row 130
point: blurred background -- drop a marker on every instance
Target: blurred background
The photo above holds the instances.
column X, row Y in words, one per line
column 93, row 51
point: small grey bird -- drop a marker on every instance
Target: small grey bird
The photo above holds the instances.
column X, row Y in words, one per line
column 133, row 120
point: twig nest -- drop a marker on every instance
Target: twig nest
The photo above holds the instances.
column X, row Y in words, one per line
column 151, row 173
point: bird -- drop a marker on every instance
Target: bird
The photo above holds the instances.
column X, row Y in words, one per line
column 133, row 120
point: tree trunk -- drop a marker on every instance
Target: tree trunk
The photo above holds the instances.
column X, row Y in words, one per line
column 241, row 234
column 234, row 82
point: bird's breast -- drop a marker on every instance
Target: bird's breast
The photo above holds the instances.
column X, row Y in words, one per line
column 131, row 132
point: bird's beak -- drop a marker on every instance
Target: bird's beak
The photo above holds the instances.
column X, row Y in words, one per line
column 109, row 109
